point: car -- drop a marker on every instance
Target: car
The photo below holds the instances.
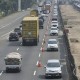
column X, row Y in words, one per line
column 53, row 68
column 41, row 17
column 52, row 45
column 13, row 36
column 54, row 23
column 18, row 31
column 53, row 31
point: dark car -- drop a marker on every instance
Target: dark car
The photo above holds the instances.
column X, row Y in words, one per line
column 18, row 31
column 41, row 17
column 13, row 37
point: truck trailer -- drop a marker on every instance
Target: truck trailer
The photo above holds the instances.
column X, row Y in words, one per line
column 30, row 31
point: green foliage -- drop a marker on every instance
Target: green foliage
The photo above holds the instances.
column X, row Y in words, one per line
column 10, row 6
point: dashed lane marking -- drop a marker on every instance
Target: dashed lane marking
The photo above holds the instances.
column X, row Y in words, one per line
column 17, row 49
column 1, row 73
column 39, row 55
column 37, row 63
column 34, row 73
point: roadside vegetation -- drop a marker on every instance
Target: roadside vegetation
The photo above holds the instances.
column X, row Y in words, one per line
column 10, row 6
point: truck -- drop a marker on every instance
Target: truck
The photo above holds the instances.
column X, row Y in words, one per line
column 34, row 13
column 30, row 31
column 13, row 61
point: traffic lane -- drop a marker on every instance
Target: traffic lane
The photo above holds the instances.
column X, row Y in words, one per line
column 24, row 54
column 9, row 28
column 45, row 56
column 4, row 22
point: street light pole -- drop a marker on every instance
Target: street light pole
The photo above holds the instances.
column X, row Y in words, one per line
column 19, row 5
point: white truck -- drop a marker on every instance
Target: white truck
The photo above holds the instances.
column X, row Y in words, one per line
column 13, row 61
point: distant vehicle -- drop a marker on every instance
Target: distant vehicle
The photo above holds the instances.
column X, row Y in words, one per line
column 18, row 31
column 54, row 23
column 41, row 23
column 13, row 61
column 41, row 17
column 53, row 68
column 30, row 31
column 52, row 45
column 53, row 31
column 13, row 36
column 34, row 13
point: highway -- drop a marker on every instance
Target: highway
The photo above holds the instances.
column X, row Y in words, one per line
column 31, row 54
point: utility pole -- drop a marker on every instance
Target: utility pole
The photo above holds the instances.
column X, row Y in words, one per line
column 19, row 5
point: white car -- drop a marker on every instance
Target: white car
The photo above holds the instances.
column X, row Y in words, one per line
column 53, row 68
column 54, row 23
column 52, row 45
column 53, row 31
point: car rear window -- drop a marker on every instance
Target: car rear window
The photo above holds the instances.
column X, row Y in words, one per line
column 53, row 65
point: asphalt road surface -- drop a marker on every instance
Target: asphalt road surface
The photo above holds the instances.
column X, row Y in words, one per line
column 31, row 54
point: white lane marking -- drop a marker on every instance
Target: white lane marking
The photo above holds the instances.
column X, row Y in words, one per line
column 42, row 43
column 17, row 49
column 10, row 23
column 6, row 34
column 39, row 55
column 21, row 44
column 37, row 63
column 34, row 73
column 1, row 73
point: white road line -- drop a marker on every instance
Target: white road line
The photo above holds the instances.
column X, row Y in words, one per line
column 37, row 63
column 21, row 44
column 17, row 49
column 39, row 55
column 1, row 73
column 10, row 23
column 34, row 73
column 42, row 43
column 6, row 33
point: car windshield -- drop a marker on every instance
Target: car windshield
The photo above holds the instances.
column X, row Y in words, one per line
column 13, row 34
column 52, row 42
column 53, row 65
column 16, row 30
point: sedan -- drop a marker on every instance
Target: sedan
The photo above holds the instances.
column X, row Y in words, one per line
column 52, row 45
column 53, row 68
column 53, row 31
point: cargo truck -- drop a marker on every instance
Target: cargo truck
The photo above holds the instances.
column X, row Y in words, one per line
column 30, row 31
column 34, row 13
column 13, row 61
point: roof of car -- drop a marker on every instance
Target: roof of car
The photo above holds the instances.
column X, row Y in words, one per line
column 53, row 60
column 52, row 40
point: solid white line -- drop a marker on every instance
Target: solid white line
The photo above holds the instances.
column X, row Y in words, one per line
column 1, row 73
column 34, row 73
column 39, row 55
column 17, row 49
